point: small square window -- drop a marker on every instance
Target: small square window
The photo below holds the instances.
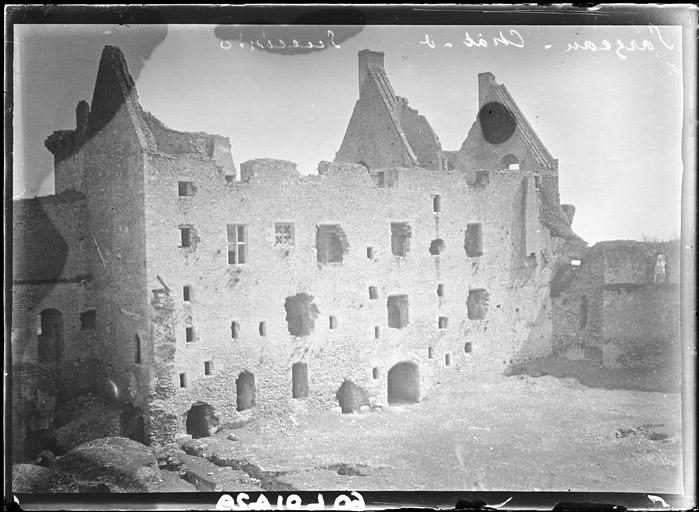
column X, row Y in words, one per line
column 183, row 380
column 468, row 347
column 187, row 293
column 189, row 334
column 87, row 320
column 263, row 329
column 375, row 373
column 332, row 322
column 185, row 188
column 373, row 293
column 208, row 367
column 440, row 290
column 370, row 253
column 443, row 321
column 284, row 233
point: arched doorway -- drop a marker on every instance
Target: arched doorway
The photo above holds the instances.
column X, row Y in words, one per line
column 201, row 420
column 245, row 390
column 404, row 383
column 51, row 337
column 299, row 380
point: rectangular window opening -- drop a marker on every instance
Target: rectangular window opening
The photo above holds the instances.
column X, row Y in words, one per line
column 400, row 238
column 88, row 320
column 183, row 380
column 208, row 367
column 237, row 244
column 284, row 233
column 189, row 334
column 477, row 304
column 430, row 353
column 440, row 291
column 443, row 321
column 187, row 293
column 235, row 330
column 398, row 311
column 263, row 329
column 373, row 293
column 473, row 240
column 377, row 332
column 370, row 253
column 436, row 203
column 331, row 243
column 185, row 236
column 185, row 188
column 447, row 359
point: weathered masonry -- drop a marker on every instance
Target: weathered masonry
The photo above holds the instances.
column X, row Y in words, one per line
column 205, row 293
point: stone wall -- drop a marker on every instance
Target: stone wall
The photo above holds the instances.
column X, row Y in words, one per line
column 518, row 320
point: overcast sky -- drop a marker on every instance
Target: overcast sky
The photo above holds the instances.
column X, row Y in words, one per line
column 612, row 117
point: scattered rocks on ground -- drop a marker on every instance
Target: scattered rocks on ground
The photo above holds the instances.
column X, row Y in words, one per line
column 95, row 424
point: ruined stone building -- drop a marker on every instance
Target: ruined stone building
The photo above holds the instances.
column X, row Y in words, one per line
column 195, row 290
column 619, row 304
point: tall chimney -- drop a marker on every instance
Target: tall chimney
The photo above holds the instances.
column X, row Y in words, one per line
column 367, row 57
column 486, row 81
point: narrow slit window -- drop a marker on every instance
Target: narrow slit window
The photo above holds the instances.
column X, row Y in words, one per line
column 208, row 368
column 187, row 293
column 377, row 332
column 235, row 330
column 237, row 244
column 440, row 291
column 263, row 329
column 189, row 334
column 185, row 236
column 137, row 349
column 430, row 353
column 373, row 293
column 400, row 238
column 370, row 253
column 183, row 380
column 375, row 373
column 447, row 359
column 332, row 322
column 436, row 203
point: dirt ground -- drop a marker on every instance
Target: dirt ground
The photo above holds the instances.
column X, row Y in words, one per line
column 518, row 433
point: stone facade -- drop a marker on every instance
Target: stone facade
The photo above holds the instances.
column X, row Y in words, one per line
column 619, row 304
column 386, row 272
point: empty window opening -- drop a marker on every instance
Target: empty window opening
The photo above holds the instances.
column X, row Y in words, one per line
column 436, row 203
column 284, row 233
column 331, row 243
column 510, row 162
column 185, row 236
column 370, row 253
column 404, row 383
column 375, row 373
column 185, row 188
column 379, row 179
column 436, row 246
column 235, row 330
column 187, row 293
column 430, row 353
column 137, row 349
column 262, row 329
column 189, row 334
column 377, row 332
column 477, row 304
column 440, row 291
column 482, row 179
column 537, row 181
column 51, row 336
column 87, row 320
column 473, row 240
column 468, row 347
column 332, row 322
column 183, row 380
column 299, row 380
column 201, row 420
column 447, row 359
column 583, row 312
column 245, row 391
column 351, row 397
column 301, row 313
column 237, row 244
column 400, row 238
column 443, row 321
column 208, row 368
column 397, row 311
column 373, row 293
column 575, row 263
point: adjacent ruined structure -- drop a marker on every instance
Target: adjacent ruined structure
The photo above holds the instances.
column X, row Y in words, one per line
column 199, row 294
column 619, row 304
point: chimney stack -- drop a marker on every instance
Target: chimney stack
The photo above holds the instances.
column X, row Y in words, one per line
column 486, row 81
column 367, row 57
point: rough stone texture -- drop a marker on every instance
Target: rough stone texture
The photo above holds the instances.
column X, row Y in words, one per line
column 95, row 424
column 120, row 464
column 612, row 309
column 127, row 165
column 30, row 478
